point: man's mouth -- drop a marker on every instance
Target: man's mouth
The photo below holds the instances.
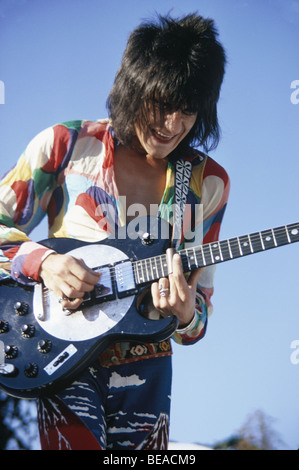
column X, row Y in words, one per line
column 161, row 136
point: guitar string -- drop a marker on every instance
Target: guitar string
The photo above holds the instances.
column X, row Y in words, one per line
column 282, row 236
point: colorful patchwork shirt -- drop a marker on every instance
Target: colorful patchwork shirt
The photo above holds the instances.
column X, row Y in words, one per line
column 66, row 174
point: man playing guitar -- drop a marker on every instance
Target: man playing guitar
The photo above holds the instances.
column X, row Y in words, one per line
column 162, row 105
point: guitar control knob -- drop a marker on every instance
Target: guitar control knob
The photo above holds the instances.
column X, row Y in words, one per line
column 11, row 352
column 44, row 346
column 31, row 370
column 28, row 331
column 4, row 326
column 21, row 308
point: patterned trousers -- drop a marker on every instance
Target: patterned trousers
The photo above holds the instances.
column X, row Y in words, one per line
column 110, row 408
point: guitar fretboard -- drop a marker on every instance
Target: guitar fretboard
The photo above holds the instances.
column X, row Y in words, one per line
column 151, row 269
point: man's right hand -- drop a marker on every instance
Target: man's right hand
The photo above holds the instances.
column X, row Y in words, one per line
column 69, row 278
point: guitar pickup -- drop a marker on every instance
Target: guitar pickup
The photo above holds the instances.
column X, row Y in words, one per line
column 104, row 290
column 124, row 278
column 115, row 281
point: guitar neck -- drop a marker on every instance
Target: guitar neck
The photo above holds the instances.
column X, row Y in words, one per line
column 151, row 269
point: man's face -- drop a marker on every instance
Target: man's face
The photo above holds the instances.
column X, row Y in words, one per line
column 159, row 137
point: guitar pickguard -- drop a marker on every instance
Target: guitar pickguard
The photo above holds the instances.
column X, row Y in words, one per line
column 93, row 320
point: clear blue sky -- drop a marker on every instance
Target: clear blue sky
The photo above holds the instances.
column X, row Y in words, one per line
column 58, row 59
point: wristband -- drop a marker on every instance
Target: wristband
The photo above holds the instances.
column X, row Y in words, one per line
column 48, row 253
column 45, row 256
column 190, row 325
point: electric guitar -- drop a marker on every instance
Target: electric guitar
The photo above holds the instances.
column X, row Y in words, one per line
column 42, row 349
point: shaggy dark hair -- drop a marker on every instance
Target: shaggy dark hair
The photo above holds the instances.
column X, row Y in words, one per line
column 175, row 64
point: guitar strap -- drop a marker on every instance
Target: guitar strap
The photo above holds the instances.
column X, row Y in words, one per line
column 183, row 171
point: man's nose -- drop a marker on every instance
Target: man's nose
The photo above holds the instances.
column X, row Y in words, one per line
column 174, row 122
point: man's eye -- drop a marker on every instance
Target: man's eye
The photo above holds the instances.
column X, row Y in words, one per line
column 188, row 112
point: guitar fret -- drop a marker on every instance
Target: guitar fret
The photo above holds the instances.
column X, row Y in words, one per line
column 203, row 256
column 153, row 269
column 150, row 269
column 282, row 236
column 195, row 257
column 207, row 254
column 267, row 238
column 235, row 247
column 216, row 251
column 262, row 241
column 190, row 260
column 187, row 261
column 293, row 232
column 211, row 253
column 135, row 273
column 239, row 245
column 198, row 256
column 230, row 248
column 256, row 242
column 245, row 245
column 156, row 269
column 144, row 270
column 138, row 272
column 286, row 228
column 225, row 250
column 164, row 267
column 201, row 261
column 274, row 239
column 220, row 251
column 159, row 266
column 250, row 243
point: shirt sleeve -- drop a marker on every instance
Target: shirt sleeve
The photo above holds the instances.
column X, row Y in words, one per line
column 25, row 192
column 215, row 186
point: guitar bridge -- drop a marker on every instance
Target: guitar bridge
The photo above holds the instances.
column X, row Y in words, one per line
column 104, row 290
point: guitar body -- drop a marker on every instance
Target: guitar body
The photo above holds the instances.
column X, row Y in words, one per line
column 44, row 348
